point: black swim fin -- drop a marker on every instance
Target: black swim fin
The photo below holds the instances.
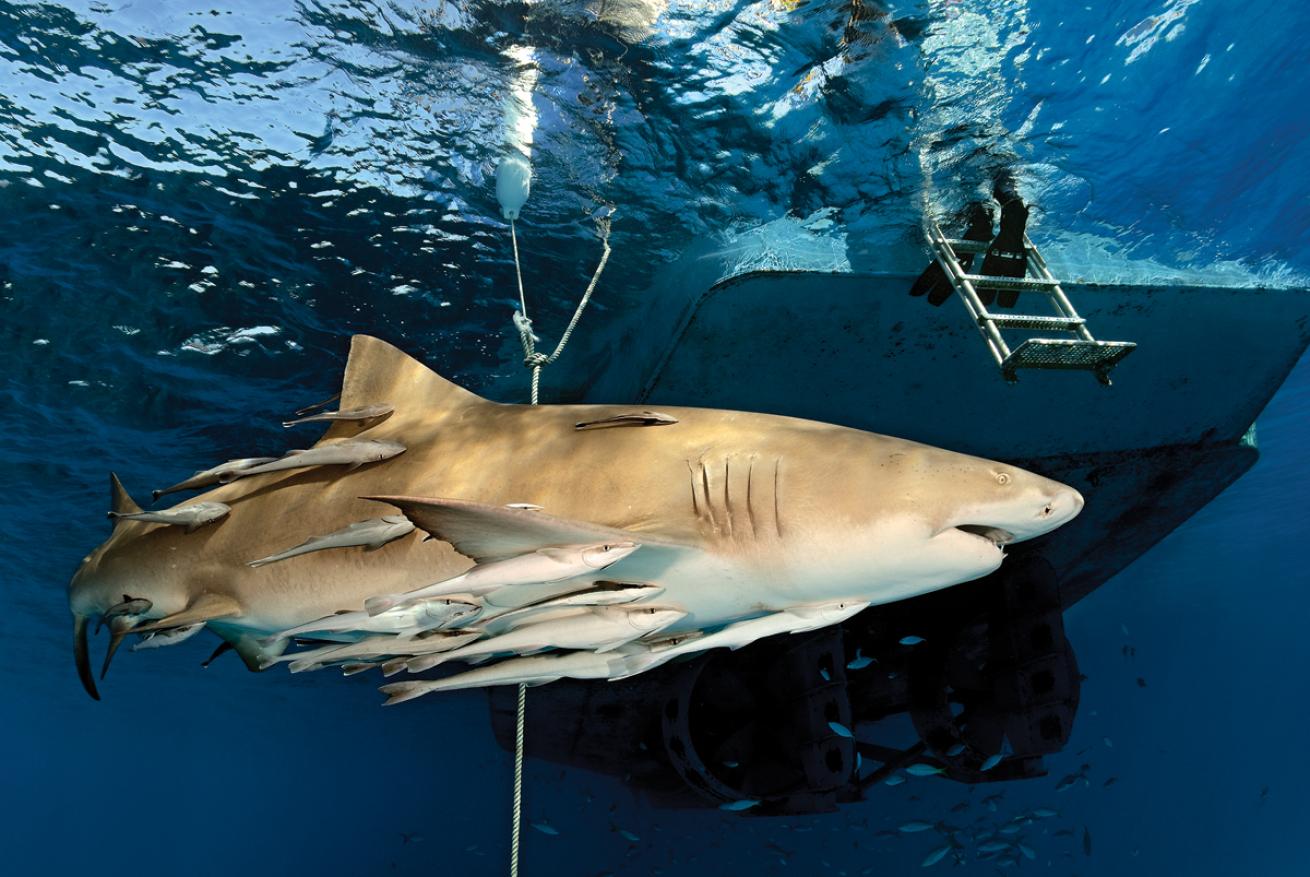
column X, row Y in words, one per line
column 933, row 282
column 1007, row 257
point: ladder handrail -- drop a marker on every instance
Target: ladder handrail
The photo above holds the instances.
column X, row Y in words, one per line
column 1086, row 352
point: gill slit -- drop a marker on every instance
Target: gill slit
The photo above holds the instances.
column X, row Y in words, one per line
column 727, row 498
column 750, row 509
column 777, row 515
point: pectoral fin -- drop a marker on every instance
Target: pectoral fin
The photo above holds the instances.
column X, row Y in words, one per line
column 206, row 607
column 485, row 532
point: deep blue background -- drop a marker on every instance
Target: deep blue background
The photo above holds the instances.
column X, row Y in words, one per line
column 199, row 206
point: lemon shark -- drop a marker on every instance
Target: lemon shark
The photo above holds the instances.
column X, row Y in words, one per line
column 735, row 514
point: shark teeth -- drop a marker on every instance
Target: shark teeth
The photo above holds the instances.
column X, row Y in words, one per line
column 994, row 535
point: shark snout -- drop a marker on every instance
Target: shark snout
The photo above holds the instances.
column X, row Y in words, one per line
column 1058, row 506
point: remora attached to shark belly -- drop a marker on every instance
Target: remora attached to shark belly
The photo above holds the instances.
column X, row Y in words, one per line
column 734, row 513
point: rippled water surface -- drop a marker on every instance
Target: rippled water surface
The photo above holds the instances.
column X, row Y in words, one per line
column 201, row 202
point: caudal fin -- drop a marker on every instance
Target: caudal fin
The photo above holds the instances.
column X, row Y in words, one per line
column 399, row 692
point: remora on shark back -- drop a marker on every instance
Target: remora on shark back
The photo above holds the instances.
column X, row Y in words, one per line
column 734, row 513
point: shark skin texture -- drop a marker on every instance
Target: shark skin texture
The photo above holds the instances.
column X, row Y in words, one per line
column 734, row 515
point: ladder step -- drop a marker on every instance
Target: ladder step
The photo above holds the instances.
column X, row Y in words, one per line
column 963, row 246
column 987, row 281
column 1027, row 321
column 1098, row 356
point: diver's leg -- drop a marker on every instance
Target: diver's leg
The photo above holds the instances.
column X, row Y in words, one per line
column 933, row 282
column 1007, row 257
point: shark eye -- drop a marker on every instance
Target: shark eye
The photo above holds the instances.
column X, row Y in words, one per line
column 1002, row 478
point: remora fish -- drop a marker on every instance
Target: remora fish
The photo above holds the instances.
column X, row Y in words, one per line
column 534, row 670
column 597, row 629
column 191, row 515
column 207, row 477
column 424, row 642
column 797, row 619
column 638, row 418
column 161, row 638
column 371, row 534
column 541, row 566
column 340, row 452
column 423, row 615
column 497, row 624
column 353, row 415
column 735, row 513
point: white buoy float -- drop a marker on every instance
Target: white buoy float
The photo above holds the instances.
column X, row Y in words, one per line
column 513, row 184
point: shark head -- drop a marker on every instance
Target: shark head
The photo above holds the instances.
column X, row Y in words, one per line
column 898, row 519
column 964, row 510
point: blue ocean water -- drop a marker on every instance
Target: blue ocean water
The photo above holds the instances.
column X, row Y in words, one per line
column 202, row 203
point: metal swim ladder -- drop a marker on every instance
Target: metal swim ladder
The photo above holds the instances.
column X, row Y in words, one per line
column 1083, row 352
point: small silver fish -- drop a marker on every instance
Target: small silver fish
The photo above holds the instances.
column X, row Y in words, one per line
column 914, row 827
column 911, row 640
column 368, row 412
column 192, row 516
column 636, row 418
column 934, row 857
column 371, row 534
column 1070, row 780
column 859, row 662
column 738, row 806
column 923, row 770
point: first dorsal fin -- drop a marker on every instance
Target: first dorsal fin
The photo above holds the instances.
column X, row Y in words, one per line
column 119, row 501
column 377, row 372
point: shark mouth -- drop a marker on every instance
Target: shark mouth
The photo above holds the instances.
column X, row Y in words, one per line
column 995, row 535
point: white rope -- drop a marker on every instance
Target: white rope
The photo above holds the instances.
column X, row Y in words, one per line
column 518, row 780
column 531, row 358
column 537, row 361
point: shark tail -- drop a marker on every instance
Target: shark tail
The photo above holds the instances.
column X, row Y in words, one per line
column 399, row 692
column 394, row 666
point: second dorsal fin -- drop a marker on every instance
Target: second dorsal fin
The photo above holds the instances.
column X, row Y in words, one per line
column 119, row 500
